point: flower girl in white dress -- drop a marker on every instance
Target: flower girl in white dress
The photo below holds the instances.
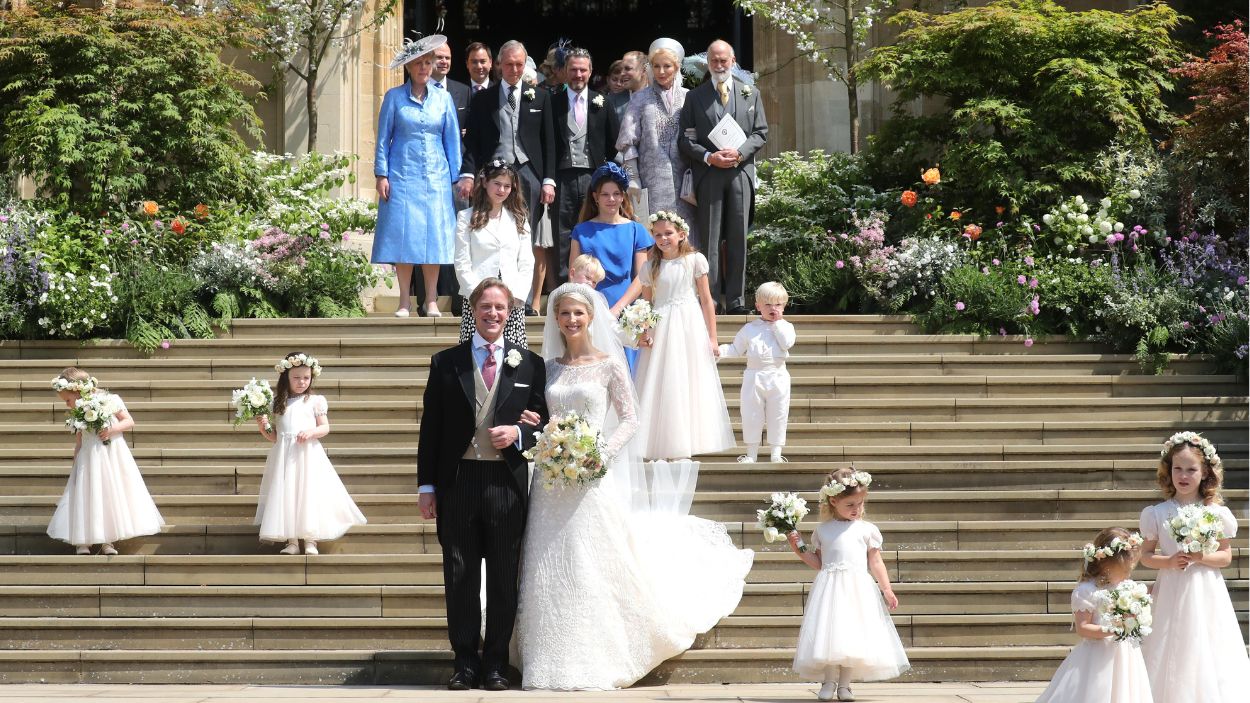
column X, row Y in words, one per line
column 1100, row 669
column 847, row 632
column 1196, row 653
column 301, row 496
column 105, row 500
column 681, row 402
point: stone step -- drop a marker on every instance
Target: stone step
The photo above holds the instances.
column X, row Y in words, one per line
column 433, row 667
column 904, row 566
column 415, row 367
column 173, row 387
column 48, row 478
column 408, row 409
column 405, row 434
column 420, row 538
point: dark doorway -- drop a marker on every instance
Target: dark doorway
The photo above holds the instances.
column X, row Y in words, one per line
column 607, row 28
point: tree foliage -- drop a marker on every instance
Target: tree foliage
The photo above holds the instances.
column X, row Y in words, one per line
column 105, row 107
column 1030, row 94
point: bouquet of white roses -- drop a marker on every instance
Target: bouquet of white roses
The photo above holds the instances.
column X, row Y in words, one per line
column 252, row 401
column 782, row 517
column 568, row 452
column 1126, row 610
column 93, row 413
column 1196, row 529
column 636, row 319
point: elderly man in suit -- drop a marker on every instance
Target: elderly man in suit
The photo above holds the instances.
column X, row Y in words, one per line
column 724, row 177
column 586, row 128
column 512, row 121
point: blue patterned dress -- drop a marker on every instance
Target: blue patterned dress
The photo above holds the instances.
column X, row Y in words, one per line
column 419, row 151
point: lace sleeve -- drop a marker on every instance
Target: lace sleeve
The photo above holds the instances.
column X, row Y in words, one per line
column 320, row 407
column 621, row 393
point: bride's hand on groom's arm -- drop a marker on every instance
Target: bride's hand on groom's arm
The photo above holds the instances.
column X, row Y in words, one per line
column 529, row 417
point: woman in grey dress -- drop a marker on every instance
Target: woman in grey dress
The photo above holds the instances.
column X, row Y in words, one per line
column 648, row 136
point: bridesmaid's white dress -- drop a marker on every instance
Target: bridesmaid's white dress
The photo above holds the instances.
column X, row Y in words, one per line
column 608, row 594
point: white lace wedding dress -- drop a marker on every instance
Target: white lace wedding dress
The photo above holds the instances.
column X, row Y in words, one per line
column 606, row 594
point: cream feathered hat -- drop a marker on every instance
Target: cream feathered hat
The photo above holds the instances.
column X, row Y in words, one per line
column 413, row 50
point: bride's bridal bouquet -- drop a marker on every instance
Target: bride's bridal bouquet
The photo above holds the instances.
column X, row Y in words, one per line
column 252, row 401
column 93, row 413
column 782, row 517
column 568, row 452
column 636, row 319
column 1196, row 529
column 1125, row 609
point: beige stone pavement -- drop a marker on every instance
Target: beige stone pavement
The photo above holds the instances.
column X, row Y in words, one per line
column 990, row 692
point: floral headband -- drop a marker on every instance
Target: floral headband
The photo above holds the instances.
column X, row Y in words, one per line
column 1196, row 441
column 291, row 362
column 1115, row 546
column 610, row 170
column 672, row 218
column 838, row 485
column 60, row 383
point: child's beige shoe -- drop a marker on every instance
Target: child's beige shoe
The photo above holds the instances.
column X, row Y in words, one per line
column 827, row 691
column 844, row 693
column 310, row 548
column 292, row 547
column 108, row 549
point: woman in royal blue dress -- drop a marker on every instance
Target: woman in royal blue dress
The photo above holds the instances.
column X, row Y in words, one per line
column 609, row 233
column 416, row 162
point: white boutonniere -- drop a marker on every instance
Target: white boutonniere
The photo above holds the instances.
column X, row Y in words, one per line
column 598, row 101
column 746, row 91
column 529, row 94
column 513, row 358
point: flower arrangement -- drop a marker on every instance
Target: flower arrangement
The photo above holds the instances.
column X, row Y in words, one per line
column 568, row 452
column 252, row 401
column 781, row 517
column 1115, row 546
column 835, row 487
column 1126, row 610
column 92, row 413
column 1196, row 529
column 636, row 319
column 288, row 363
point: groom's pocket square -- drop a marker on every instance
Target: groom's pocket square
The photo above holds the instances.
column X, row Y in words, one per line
column 520, row 385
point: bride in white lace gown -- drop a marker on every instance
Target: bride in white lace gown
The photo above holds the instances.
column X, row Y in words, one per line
column 607, row 594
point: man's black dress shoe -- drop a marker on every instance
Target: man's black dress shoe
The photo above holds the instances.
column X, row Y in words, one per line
column 740, row 310
column 495, row 681
column 462, row 680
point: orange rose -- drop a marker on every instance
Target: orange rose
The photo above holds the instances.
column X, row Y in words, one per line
column 150, row 208
column 955, row 215
column 972, row 232
column 178, row 226
column 909, row 198
column 931, row 177
column 201, row 211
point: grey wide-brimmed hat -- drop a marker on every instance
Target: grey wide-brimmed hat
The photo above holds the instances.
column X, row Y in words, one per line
column 413, row 50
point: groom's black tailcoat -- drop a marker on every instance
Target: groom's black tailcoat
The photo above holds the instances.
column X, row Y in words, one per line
column 481, row 505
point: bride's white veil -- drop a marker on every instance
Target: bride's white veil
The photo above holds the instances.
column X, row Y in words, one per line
column 640, row 486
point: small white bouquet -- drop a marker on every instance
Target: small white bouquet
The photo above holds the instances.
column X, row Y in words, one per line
column 1196, row 529
column 782, row 517
column 93, row 413
column 252, row 401
column 1125, row 609
column 568, row 452
column 636, row 319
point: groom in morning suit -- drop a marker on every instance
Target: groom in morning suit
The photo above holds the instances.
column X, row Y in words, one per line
column 724, row 179
column 474, row 480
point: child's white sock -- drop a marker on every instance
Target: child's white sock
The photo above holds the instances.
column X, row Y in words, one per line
column 844, row 677
column 775, row 454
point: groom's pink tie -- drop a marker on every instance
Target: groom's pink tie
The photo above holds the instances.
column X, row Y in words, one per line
column 489, row 367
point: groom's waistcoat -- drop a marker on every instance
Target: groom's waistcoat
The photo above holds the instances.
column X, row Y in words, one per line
column 480, row 448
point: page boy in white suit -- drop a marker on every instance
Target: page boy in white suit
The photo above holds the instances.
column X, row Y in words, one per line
column 766, row 343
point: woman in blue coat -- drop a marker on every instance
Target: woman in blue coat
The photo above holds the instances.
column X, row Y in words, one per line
column 417, row 159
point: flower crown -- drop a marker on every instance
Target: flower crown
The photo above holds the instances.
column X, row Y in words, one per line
column 1197, row 441
column 83, row 387
column 1115, row 546
column 835, row 487
column 610, row 170
column 288, row 363
column 670, row 217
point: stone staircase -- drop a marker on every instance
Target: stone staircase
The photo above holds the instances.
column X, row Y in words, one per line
column 993, row 462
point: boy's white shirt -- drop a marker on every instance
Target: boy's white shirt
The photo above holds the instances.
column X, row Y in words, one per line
column 762, row 342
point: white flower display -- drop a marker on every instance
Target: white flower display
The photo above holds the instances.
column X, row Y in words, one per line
column 252, row 401
column 1126, row 609
column 1115, row 546
column 513, row 358
column 835, row 487
column 671, row 217
column 1196, row 529
column 747, row 91
column 529, row 94
column 92, row 413
column 636, row 319
column 781, row 517
column 598, row 101
column 299, row 360
column 1194, row 439
column 81, row 387
column 568, row 452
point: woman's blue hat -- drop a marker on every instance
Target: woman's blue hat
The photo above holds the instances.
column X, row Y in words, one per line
column 610, row 170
